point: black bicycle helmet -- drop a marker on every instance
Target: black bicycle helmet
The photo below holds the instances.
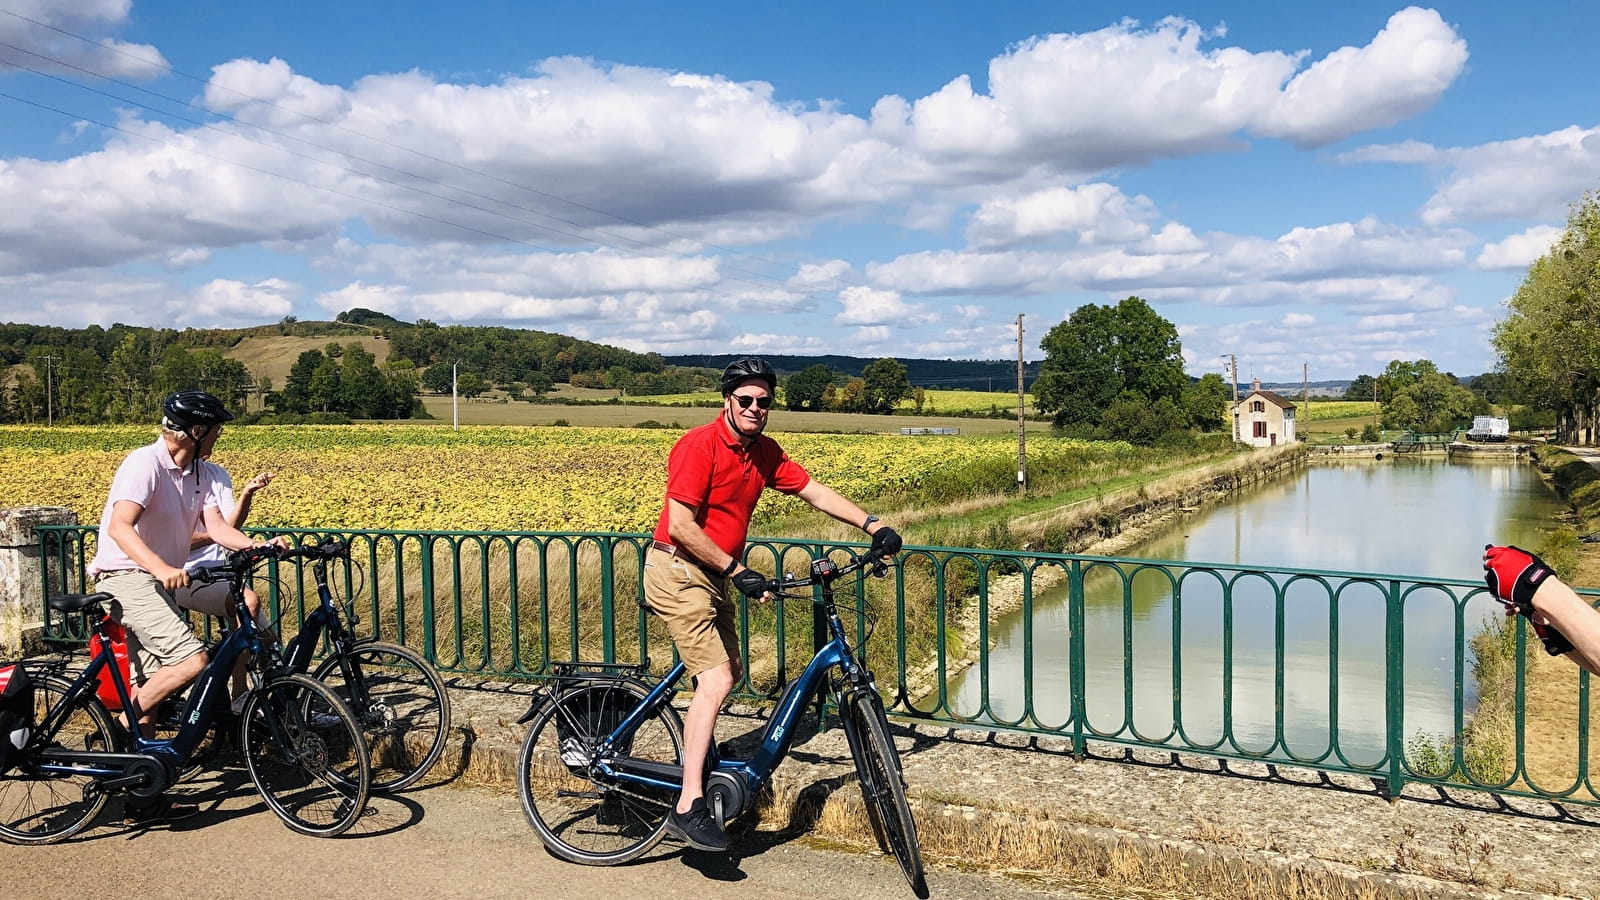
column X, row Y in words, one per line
column 742, row 370
column 186, row 409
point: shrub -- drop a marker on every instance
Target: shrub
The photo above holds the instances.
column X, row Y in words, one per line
column 561, row 423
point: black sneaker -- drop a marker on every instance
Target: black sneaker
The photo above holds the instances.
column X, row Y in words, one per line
column 697, row 828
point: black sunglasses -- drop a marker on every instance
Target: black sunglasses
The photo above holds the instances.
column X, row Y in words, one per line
column 745, row 401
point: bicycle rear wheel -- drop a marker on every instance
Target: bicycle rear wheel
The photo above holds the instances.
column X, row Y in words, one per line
column 42, row 808
column 306, row 755
column 579, row 819
column 402, row 705
column 884, row 788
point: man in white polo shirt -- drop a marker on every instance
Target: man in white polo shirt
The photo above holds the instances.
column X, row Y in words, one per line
column 160, row 497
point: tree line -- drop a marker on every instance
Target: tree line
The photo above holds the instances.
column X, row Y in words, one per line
column 1549, row 342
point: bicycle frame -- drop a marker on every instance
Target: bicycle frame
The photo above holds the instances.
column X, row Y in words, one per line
column 325, row 618
column 207, row 695
column 776, row 738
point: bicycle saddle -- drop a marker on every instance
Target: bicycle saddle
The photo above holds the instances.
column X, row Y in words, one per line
column 71, row 603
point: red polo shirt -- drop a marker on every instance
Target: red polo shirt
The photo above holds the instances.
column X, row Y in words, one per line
column 711, row 470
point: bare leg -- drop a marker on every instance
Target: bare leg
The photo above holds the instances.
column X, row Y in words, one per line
column 699, row 729
column 166, row 681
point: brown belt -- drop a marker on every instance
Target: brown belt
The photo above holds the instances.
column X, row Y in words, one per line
column 670, row 550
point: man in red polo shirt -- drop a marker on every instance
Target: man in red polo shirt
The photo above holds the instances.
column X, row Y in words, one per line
column 715, row 476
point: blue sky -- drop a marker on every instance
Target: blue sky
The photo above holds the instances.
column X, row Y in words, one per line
column 1330, row 187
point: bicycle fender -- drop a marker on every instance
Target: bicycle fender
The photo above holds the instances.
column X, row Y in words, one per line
column 537, row 703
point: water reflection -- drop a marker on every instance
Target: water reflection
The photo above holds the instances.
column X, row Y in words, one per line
column 1157, row 653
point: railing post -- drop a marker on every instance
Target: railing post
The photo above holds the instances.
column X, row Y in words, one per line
column 428, row 649
column 1394, row 692
column 1077, row 651
column 608, row 607
column 24, row 575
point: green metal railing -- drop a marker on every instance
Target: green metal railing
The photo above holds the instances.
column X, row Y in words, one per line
column 1338, row 672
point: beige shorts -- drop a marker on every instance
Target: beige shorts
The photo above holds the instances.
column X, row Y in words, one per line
column 157, row 634
column 694, row 605
column 212, row 599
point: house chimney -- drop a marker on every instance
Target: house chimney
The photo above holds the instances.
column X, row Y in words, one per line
column 1255, row 384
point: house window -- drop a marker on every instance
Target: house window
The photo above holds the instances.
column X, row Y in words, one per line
column 1258, row 406
column 1261, row 429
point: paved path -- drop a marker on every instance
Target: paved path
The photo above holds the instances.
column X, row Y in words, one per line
column 443, row 841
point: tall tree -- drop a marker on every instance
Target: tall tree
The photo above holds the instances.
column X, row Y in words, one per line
column 1549, row 343
column 805, row 388
column 885, row 385
column 1103, row 354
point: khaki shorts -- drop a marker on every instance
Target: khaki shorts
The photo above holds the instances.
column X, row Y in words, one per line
column 694, row 605
column 157, row 634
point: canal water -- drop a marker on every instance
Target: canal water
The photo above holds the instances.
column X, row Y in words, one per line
column 1170, row 671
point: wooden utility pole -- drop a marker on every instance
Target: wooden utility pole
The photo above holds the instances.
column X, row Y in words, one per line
column 49, row 389
column 1305, row 383
column 1233, row 375
column 1022, row 428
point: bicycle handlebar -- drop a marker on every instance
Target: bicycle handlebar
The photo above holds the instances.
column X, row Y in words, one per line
column 241, row 562
column 826, row 571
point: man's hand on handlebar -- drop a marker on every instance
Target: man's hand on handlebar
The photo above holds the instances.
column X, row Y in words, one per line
column 170, row 578
column 751, row 584
column 885, row 543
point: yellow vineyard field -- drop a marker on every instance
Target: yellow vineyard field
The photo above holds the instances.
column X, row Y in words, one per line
column 489, row 478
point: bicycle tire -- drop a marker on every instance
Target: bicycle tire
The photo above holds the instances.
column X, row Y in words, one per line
column 404, row 710
column 577, row 819
column 883, row 788
column 37, row 808
column 318, row 781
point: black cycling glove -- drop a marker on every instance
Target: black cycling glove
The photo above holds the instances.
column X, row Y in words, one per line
column 751, row 584
column 885, row 542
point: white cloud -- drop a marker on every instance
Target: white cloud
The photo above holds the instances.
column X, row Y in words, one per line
column 1400, row 73
column 225, row 300
column 866, row 306
column 1218, row 263
column 1298, row 320
column 1518, row 251
column 46, row 45
column 1533, row 177
column 1094, row 213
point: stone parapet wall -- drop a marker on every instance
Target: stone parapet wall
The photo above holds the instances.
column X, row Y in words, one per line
column 22, row 575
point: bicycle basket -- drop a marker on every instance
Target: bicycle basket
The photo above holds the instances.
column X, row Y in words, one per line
column 16, row 714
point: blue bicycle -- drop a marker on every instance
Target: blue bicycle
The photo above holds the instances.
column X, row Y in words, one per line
column 303, row 747
column 603, row 760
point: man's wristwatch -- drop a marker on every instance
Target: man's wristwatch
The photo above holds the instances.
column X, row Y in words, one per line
column 868, row 523
column 732, row 564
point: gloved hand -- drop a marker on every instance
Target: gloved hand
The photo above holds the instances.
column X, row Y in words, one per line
column 751, row 584
column 885, row 542
column 1514, row 575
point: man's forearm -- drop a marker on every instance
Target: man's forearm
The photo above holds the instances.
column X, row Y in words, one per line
column 1572, row 616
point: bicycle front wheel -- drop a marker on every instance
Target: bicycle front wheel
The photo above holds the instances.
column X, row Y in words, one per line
column 578, row 818
column 884, row 787
column 44, row 807
column 402, row 705
column 306, row 755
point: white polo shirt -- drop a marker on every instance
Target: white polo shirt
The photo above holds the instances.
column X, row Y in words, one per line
column 173, row 501
column 222, row 487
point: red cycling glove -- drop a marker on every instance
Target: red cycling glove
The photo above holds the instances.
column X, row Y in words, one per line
column 1514, row 576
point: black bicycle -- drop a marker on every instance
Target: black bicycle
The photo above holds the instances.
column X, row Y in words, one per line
column 302, row 746
column 603, row 760
column 398, row 698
